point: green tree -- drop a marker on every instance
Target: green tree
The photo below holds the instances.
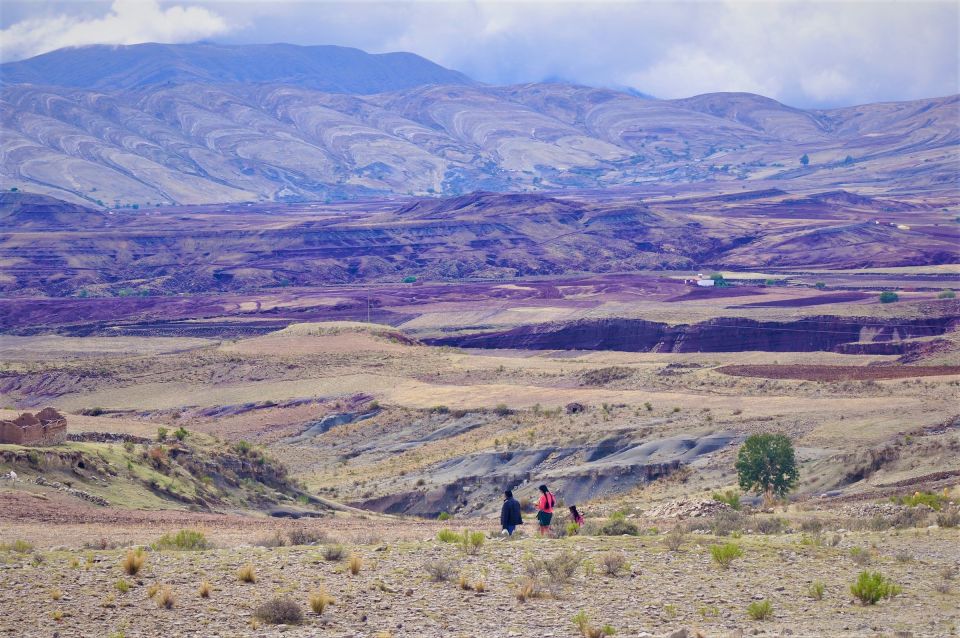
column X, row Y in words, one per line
column 888, row 297
column 804, row 160
column 766, row 464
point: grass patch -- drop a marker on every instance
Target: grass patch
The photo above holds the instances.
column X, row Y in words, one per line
column 319, row 601
column 760, row 610
column 205, row 589
column 165, row 598
column 133, row 562
column 449, row 536
column 355, row 564
column 247, row 574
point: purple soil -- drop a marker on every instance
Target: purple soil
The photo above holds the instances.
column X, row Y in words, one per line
column 726, row 334
column 389, row 303
column 698, row 294
column 837, row 297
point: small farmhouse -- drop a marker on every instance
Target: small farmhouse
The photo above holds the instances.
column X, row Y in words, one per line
column 47, row 427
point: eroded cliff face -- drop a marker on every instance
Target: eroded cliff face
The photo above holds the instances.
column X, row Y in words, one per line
column 726, row 334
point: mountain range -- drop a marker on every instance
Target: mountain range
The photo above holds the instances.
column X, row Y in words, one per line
column 147, row 125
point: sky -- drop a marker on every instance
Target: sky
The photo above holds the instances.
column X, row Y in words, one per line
column 803, row 53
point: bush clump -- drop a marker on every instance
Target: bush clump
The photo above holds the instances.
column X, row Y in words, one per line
column 334, row 553
column 613, row 561
column 729, row 497
column 185, row 539
column 439, row 570
column 872, row 586
column 449, row 536
column 471, row 542
column 618, row 525
column 247, row 574
column 279, row 611
column 724, row 555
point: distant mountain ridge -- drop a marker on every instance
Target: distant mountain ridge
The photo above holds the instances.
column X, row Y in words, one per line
column 328, row 68
column 160, row 124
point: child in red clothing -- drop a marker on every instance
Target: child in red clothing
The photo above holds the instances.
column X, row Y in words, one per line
column 576, row 516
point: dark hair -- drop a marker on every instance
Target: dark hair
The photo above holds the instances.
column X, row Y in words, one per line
column 543, row 488
column 508, row 493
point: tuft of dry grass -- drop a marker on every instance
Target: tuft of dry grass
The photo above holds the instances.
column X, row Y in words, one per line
column 528, row 589
column 464, row 583
column 319, row 601
column 134, row 560
column 55, row 594
column 480, row 586
column 613, row 561
column 205, row 589
column 355, row 564
column 247, row 574
column 165, row 598
column 152, row 590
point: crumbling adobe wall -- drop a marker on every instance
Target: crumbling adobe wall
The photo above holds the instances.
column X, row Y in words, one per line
column 47, row 427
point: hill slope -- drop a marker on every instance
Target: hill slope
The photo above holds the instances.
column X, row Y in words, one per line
column 158, row 124
column 325, row 68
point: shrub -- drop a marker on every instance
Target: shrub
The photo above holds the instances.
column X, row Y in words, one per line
column 449, row 536
column 573, row 529
column 760, row 610
column 439, row 570
column 816, row 589
column 471, row 542
column 273, row 540
column 724, row 555
column 501, row 409
column 872, row 586
column 730, row 497
column 888, row 296
column 133, row 561
column 587, row 630
column 859, row 555
column 162, row 434
column 946, row 294
column 562, row 567
column 930, row 499
column 464, row 583
column 444, row 516
column 319, row 601
column 613, row 561
column 180, row 433
column 303, row 536
column 279, row 611
column 619, row 527
column 950, row 517
column 205, row 589
column 164, row 597
column 772, row 525
column 766, row 464
column 355, row 564
column 333, row 553
column 247, row 574
column 674, row 540
column 122, row 586
column 185, row 539
column 726, row 522
column 811, row 525
column 528, row 588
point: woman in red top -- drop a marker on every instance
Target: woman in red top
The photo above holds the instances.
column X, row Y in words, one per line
column 545, row 510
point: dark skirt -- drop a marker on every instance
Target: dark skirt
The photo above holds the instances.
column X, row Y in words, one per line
column 544, row 518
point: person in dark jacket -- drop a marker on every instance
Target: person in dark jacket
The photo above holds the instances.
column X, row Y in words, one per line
column 510, row 513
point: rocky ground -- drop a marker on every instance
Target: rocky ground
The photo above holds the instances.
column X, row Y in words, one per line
column 67, row 589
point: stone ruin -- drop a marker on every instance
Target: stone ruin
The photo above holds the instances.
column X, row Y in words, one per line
column 47, row 427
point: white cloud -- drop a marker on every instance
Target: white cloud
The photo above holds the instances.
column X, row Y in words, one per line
column 126, row 22
column 801, row 52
